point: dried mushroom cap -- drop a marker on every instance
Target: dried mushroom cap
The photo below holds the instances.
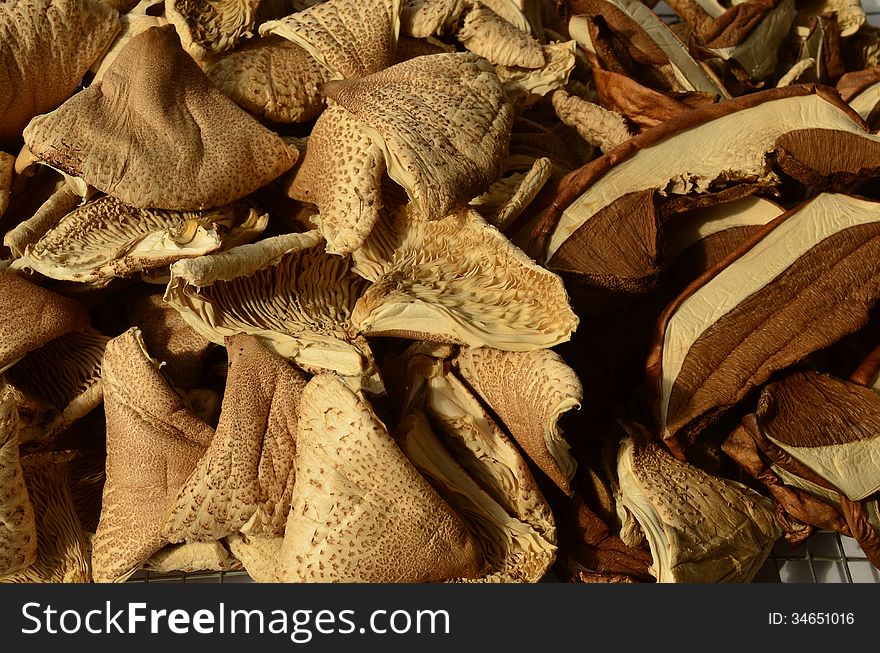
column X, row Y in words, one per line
column 7, row 163
column 849, row 14
column 258, row 555
column 61, row 202
column 245, row 479
column 529, row 391
column 701, row 528
column 153, row 445
column 63, row 379
column 862, row 91
column 191, row 557
column 18, row 534
column 341, row 173
column 597, row 126
column 104, row 239
column 62, row 555
column 800, row 284
column 154, row 144
column 459, row 280
column 32, row 316
column 442, row 121
column 361, row 511
column 211, row 26
column 298, row 300
column 526, row 86
column 170, row 339
column 410, row 48
column 487, row 34
column 46, row 46
column 423, row 18
column 665, row 159
column 271, row 78
column 130, row 25
column 351, row 38
column 508, row 197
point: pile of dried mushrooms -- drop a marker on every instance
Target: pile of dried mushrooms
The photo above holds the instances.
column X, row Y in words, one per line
column 436, row 290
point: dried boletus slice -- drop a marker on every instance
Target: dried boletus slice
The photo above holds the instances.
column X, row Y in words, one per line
column 529, row 392
column 245, row 479
column 46, row 46
column 211, row 26
column 153, row 444
column 178, row 145
column 861, row 89
column 296, row 299
column 104, row 239
column 459, row 280
column 801, row 283
column 18, row 534
column 701, row 528
column 32, row 316
column 361, row 510
column 351, row 38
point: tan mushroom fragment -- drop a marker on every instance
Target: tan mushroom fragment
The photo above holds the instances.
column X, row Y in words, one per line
column 526, row 86
column 798, row 285
column 130, row 25
column 245, row 479
column 46, row 46
column 258, row 555
column 701, row 528
column 62, row 549
column 18, row 534
column 861, row 90
column 487, row 34
column 351, row 38
column 154, row 144
column 298, row 300
column 529, row 392
column 32, row 316
column 361, row 511
column 849, row 15
column 211, row 26
column 459, row 280
column 58, row 383
column 424, row 18
column 153, row 445
column 597, row 126
column 192, row 557
column 62, row 201
column 105, row 239
column 7, row 163
column 272, row 78
column 508, row 197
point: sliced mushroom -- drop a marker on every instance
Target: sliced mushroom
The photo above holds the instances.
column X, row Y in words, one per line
column 459, row 280
column 46, row 46
column 211, row 26
column 487, row 34
column 351, row 38
column 104, row 239
column 32, row 316
column 861, row 89
column 192, row 557
column 153, row 445
column 801, row 283
column 245, row 479
column 296, row 299
column 18, row 534
column 529, row 392
column 361, row 511
column 701, row 528
column 154, row 144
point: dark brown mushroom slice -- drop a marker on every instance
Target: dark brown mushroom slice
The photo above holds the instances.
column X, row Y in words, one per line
column 800, row 284
column 861, row 89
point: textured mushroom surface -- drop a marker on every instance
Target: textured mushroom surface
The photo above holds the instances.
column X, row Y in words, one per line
column 210, row 26
column 508, row 197
column 46, row 46
column 18, row 535
column 487, row 34
column 361, row 511
column 245, row 479
column 153, row 444
column 192, row 556
column 151, row 144
column 7, row 163
column 258, row 555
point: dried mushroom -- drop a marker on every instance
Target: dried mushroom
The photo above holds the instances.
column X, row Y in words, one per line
column 487, row 34
column 192, row 556
column 7, row 163
column 18, row 535
column 209, row 26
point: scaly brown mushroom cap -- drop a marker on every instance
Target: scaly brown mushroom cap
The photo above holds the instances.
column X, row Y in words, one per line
column 18, row 534
column 361, row 511
column 153, row 444
column 7, row 164
column 211, row 26
column 245, row 479
column 46, row 46
column 154, row 144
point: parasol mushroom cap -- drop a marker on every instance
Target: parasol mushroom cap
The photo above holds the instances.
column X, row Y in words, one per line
column 192, row 557
column 7, row 165
column 258, row 554
column 153, row 445
column 46, row 46
column 153, row 144
column 130, row 25
column 211, row 26
column 526, row 86
column 487, row 34
column 361, row 511
column 18, row 534
column 62, row 201
column 424, row 18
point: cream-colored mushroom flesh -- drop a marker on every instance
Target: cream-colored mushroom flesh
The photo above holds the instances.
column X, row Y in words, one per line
column 245, row 479
column 508, row 197
column 701, row 528
column 18, row 534
column 258, row 555
column 32, row 316
column 351, row 38
column 153, row 444
column 529, row 391
column 361, row 510
column 286, row 291
column 487, row 34
column 442, row 121
column 424, row 18
column 192, row 557
column 159, row 136
column 459, row 280
column 46, row 46
column 211, row 26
